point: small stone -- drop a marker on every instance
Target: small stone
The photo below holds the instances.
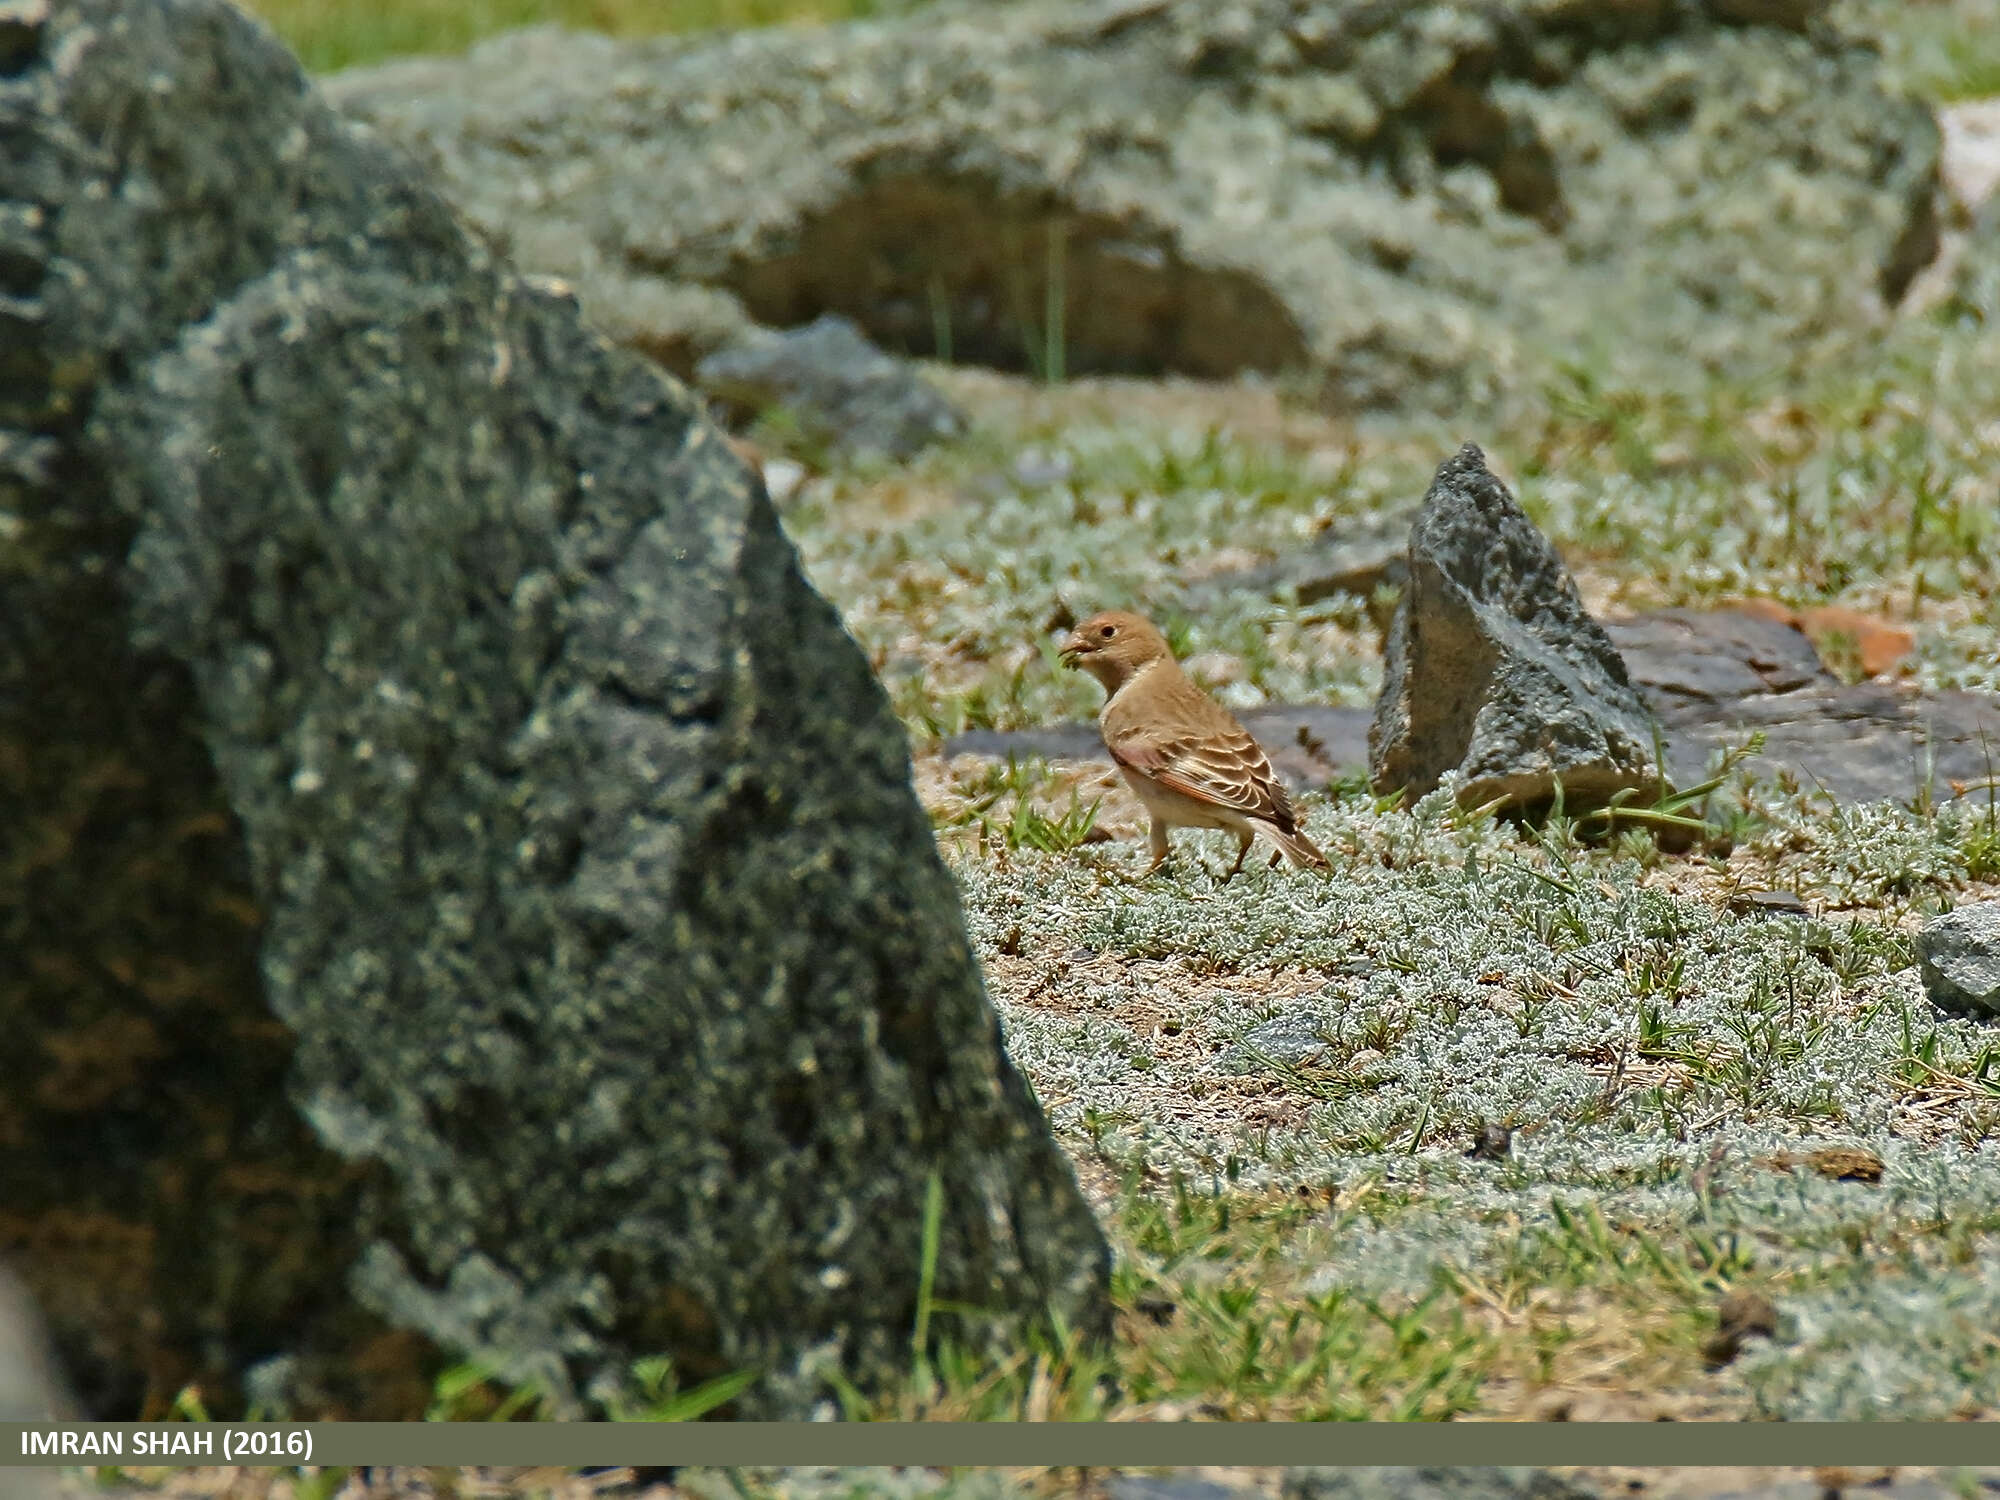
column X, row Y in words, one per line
column 1958, row 955
column 836, row 384
column 1491, row 1143
column 1847, row 1164
column 1740, row 1316
column 1768, row 904
column 1037, row 468
column 1494, row 669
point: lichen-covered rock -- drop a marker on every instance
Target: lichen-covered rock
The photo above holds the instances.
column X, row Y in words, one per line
column 839, row 387
column 1958, row 955
column 1494, row 669
column 409, row 695
column 1425, row 204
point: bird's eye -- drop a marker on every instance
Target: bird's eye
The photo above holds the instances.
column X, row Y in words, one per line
column 1108, row 631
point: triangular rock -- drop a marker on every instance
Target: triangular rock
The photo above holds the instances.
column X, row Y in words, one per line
column 1494, row 668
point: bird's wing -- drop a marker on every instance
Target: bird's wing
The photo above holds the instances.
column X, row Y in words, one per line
column 1222, row 765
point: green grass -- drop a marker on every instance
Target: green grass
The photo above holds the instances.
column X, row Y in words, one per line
column 332, row 34
column 1008, row 807
column 1940, row 49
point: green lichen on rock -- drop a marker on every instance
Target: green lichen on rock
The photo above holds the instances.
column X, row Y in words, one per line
column 1418, row 204
column 614, row 944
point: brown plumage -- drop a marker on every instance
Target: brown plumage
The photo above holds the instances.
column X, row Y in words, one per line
column 1183, row 753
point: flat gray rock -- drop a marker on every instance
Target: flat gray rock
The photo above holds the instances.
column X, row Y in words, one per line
column 1959, row 957
column 839, row 387
column 1494, row 669
column 485, row 913
column 1294, row 1038
column 1872, row 741
column 1421, row 205
column 1687, row 661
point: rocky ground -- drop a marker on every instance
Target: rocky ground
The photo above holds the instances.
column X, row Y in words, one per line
column 1683, row 1044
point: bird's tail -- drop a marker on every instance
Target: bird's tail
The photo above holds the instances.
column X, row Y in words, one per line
column 1296, row 847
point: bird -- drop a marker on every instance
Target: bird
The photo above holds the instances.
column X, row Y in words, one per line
column 1184, row 754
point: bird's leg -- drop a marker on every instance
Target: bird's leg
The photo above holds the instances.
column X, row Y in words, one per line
column 1276, row 855
column 1157, row 842
column 1242, row 849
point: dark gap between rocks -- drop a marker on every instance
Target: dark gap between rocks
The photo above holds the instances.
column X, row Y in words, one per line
column 944, row 266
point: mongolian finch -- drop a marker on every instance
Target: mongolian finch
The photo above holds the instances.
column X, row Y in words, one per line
column 1188, row 759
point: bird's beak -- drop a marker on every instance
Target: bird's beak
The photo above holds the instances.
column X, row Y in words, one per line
column 1072, row 651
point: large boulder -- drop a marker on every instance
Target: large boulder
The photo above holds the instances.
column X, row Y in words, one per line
column 471, row 894
column 1425, row 204
column 1494, row 669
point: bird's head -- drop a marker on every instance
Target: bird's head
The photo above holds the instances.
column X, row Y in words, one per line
column 1113, row 647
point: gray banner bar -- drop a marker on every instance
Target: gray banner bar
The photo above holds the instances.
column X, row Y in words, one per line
column 974, row 1444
